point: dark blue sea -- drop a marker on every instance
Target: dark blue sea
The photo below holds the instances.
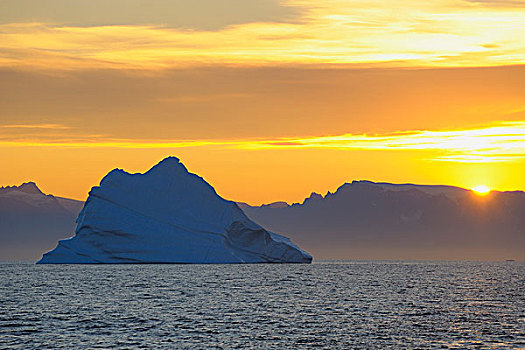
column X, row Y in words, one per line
column 328, row 305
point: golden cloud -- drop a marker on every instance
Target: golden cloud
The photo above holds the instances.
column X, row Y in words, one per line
column 366, row 33
column 502, row 142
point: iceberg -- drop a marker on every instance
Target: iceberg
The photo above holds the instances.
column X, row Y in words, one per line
column 167, row 215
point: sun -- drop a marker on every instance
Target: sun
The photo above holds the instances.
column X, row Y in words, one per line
column 481, row 190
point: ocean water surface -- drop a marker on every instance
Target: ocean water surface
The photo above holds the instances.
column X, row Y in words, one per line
column 331, row 305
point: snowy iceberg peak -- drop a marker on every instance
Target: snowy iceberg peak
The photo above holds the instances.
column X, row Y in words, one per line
column 169, row 174
column 167, row 215
column 170, row 162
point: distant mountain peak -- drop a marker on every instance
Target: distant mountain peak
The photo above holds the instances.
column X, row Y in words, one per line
column 313, row 197
column 27, row 187
column 274, row 205
column 433, row 190
column 30, row 187
column 357, row 186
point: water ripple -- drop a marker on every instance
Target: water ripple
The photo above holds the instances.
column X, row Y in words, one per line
column 373, row 305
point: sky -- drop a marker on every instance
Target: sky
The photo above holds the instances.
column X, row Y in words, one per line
column 267, row 100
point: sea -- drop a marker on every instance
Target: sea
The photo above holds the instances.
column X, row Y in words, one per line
column 325, row 305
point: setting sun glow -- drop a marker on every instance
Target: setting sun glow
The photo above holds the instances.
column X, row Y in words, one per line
column 292, row 95
column 481, row 190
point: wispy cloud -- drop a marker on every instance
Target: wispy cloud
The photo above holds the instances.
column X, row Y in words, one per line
column 35, row 126
column 499, row 3
column 204, row 97
column 359, row 32
column 198, row 14
column 497, row 143
column 503, row 142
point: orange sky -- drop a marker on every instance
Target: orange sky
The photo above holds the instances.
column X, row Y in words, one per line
column 267, row 102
